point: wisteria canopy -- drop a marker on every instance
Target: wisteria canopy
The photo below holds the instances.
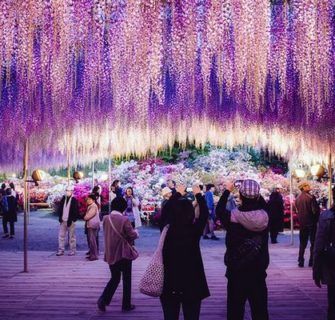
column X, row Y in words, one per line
column 101, row 78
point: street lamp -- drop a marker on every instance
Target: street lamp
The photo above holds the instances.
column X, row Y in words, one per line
column 78, row 175
column 300, row 173
column 317, row 170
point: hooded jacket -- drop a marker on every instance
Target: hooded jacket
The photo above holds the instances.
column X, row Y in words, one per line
column 245, row 222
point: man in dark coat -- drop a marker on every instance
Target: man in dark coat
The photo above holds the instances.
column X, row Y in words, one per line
column 276, row 213
column 68, row 214
column 9, row 206
column 185, row 282
column 247, row 255
column 323, row 268
column 308, row 214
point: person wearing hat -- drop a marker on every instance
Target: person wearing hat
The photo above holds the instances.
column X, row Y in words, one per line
column 247, row 254
column 276, row 213
column 67, row 215
column 308, row 212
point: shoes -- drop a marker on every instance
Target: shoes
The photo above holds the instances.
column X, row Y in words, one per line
column 91, row 259
column 11, row 237
column 5, row 236
column 60, row 253
column 301, row 264
column 205, row 237
column 274, row 241
column 310, row 264
column 72, row 253
column 87, row 253
column 214, row 238
column 130, row 308
column 101, row 305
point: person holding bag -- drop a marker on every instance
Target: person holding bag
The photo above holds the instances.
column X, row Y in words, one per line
column 119, row 254
column 185, row 283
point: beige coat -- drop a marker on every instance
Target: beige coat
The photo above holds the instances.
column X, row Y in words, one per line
column 92, row 216
column 114, row 245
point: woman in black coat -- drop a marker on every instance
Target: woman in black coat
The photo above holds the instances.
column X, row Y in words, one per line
column 9, row 204
column 185, row 282
column 276, row 214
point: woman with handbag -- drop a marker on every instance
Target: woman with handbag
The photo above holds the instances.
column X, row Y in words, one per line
column 119, row 253
column 185, row 282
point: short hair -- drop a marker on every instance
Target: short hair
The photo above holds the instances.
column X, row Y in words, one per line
column 209, row 186
column 119, row 204
column 8, row 191
column 115, row 182
column 92, row 196
column 12, row 185
column 3, row 186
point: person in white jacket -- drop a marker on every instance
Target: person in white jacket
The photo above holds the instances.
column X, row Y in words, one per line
column 93, row 226
column 132, row 211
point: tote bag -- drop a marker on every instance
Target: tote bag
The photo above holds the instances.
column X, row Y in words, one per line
column 152, row 281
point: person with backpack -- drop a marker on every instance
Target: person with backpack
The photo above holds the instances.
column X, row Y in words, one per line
column 324, row 257
column 247, row 254
column 9, row 206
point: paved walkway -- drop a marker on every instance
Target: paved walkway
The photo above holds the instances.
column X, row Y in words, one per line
column 68, row 287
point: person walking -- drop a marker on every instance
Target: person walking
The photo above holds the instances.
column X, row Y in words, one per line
column 324, row 263
column 276, row 213
column 308, row 215
column 93, row 226
column 132, row 210
column 185, row 283
column 9, row 205
column 209, row 228
column 247, row 254
column 68, row 212
column 119, row 238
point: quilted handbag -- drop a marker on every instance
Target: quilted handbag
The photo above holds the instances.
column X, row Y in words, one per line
column 152, row 281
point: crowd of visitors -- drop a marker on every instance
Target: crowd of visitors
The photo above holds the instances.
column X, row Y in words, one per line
column 190, row 216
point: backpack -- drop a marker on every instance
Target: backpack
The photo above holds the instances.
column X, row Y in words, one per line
column 246, row 254
column 5, row 204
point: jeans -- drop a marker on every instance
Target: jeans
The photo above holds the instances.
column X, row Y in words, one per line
column 92, row 242
column 121, row 267
column 63, row 229
column 331, row 302
column 171, row 308
column 305, row 234
column 252, row 288
column 5, row 226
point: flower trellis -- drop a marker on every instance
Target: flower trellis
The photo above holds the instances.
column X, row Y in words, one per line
column 103, row 77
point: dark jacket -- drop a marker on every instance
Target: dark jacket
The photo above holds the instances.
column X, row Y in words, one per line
column 276, row 211
column 237, row 234
column 10, row 215
column 74, row 211
column 324, row 236
column 184, row 275
column 308, row 210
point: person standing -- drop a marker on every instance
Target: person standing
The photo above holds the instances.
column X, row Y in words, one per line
column 308, row 215
column 93, row 226
column 185, row 283
column 119, row 237
column 132, row 211
column 9, row 213
column 276, row 213
column 172, row 185
column 323, row 265
column 247, row 254
column 2, row 195
column 166, row 194
column 209, row 228
column 116, row 188
column 68, row 213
